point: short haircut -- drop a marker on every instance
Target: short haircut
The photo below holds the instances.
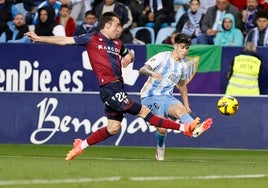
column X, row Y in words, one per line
column 106, row 18
column 65, row 6
column 90, row 12
column 182, row 38
column 194, row 0
column 261, row 14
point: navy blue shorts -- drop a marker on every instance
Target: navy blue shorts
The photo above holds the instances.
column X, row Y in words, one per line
column 117, row 101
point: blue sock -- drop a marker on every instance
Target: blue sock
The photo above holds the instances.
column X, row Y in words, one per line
column 186, row 118
column 160, row 138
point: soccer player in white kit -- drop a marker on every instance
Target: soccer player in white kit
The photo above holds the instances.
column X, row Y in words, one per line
column 165, row 71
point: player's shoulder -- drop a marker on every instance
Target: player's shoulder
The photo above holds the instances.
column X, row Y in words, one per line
column 159, row 57
column 163, row 54
column 86, row 35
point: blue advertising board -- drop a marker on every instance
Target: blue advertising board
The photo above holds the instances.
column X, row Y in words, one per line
column 49, row 95
column 52, row 68
column 57, row 118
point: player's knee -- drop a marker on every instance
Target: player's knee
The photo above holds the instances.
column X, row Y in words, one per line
column 144, row 111
column 113, row 128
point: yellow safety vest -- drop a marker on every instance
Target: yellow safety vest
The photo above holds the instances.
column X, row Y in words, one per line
column 244, row 80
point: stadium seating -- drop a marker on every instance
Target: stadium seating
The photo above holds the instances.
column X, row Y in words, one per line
column 178, row 15
column 136, row 29
column 163, row 33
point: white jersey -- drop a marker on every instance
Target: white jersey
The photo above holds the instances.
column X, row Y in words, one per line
column 172, row 72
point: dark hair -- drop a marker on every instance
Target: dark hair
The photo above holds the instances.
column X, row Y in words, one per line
column 90, row 12
column 65, row 6
column 194, row 0
column 261, row 14
column 106, row 18
column 182, row 38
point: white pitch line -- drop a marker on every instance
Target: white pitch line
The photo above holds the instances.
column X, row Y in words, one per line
column 118, row 178
column 243, row 176
column 57, row 181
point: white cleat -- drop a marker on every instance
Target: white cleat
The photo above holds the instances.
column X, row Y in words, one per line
column 160, row 153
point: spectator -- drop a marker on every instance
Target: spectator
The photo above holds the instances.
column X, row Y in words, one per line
column 49, row 3
column 170, row 39
column 8, row 11
column 30, row 7
column 245, row 19
column 89, row 25
column 157, row 12
column 190, row 21
column 136, row 7
column 15, row 32
column 212, row 22
column 124, row 14
column 244, row 72
column 46, row 25
column 241, row 4
column 204, row 4
column 259, row 34
column 230, row 35
column 66, row 20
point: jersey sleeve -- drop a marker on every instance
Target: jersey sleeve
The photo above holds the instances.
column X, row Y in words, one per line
column 155, row 61
column 82, row 40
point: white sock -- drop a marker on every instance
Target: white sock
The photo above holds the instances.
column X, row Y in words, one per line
column 84, row 144
column 182, row 127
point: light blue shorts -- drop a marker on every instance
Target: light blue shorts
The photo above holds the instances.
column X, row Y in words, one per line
column 159, row 105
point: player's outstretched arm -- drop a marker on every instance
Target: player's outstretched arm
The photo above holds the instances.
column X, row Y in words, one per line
column 60, row 40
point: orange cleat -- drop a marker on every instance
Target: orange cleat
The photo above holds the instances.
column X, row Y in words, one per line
column 204, row 126
column 76, row 150
column 190, row 127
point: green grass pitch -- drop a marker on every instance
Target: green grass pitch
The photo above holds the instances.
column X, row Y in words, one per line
column 43, row 166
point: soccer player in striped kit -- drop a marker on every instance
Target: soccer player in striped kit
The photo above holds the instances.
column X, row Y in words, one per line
column 165, row 71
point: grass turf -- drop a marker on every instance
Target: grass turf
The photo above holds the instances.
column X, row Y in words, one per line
column 44, row 166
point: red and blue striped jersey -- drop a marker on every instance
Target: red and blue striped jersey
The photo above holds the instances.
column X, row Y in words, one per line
column 105, row 56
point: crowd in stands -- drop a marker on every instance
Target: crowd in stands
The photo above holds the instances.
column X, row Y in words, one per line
column 219, row 22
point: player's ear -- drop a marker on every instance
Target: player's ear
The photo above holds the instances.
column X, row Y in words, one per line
column 108, row 25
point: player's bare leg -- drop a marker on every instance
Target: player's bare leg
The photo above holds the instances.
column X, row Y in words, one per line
column 96, row 137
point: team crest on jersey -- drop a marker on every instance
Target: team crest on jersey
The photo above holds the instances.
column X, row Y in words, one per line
column 100, row 39
column 192, row 64
column 152, row 59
